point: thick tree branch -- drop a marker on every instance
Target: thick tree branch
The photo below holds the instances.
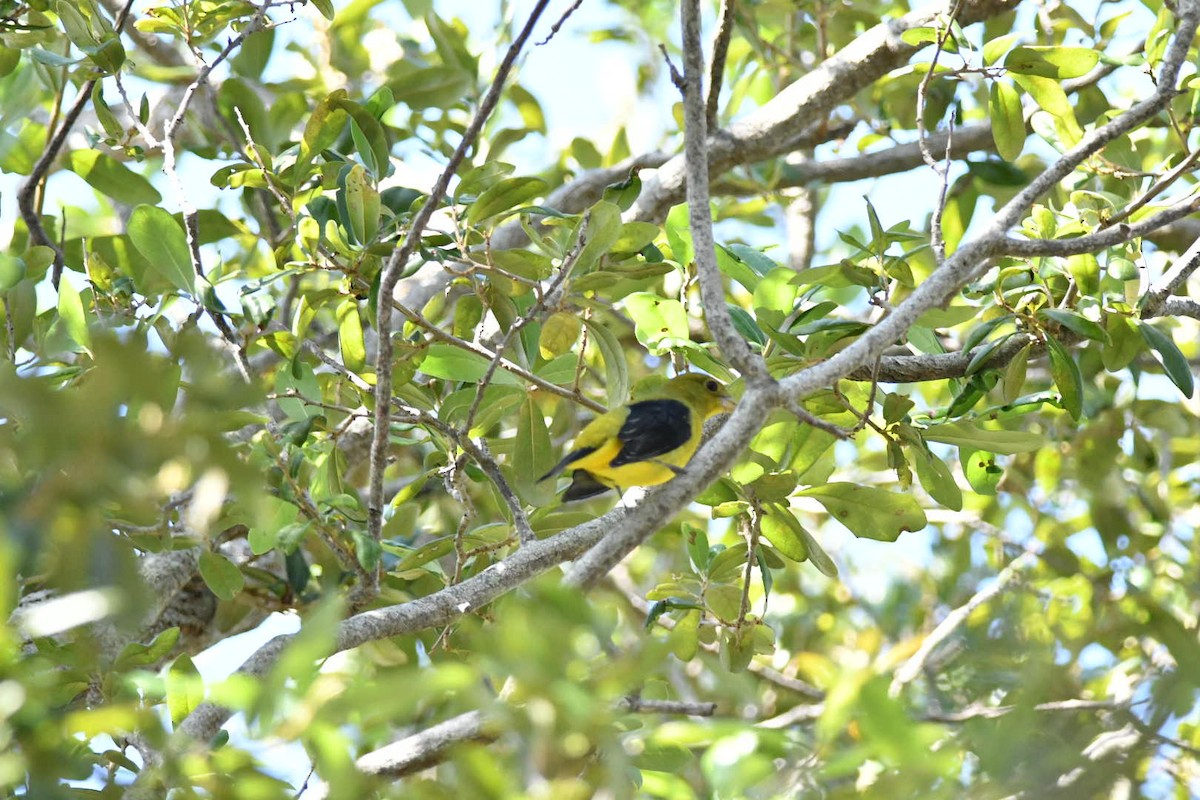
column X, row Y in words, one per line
column 772, row 129
column 712, row 288
column 972, row 256
column 1180, row 307
column 1172, row 279
column 938, row 366
column 430, row 746
column 431, row 611
column 641, row 705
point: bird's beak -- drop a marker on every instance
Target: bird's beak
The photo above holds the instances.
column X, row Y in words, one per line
column 728, row 404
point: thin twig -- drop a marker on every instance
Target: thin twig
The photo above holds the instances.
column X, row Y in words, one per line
column 27, row 194
column 1158, row 187
column 716, row 70
column 558, row 24
column 641, row 705
column 942, row 168
column 395, row 264
column 910, row 669
column 752, row 537
column 547, row 299
column 441, row 335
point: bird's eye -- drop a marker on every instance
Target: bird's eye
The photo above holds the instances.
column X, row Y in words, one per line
column 712, row 386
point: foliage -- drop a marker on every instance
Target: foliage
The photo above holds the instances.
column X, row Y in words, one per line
column 191, row 321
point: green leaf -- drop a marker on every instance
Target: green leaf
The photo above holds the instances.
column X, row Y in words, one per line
column 634, row 237
column 450, row 363
column 136, row 654
column 697, row 546
column 1124, row 344
column 920, row 36
column 616, row 372
column 359, row 205
column 560, row 331
column 1076, row 323
column 657, row 319
column 369, row 133
column 1014, row 374
column 817, row 555
column 754, row 258
column 684, row 638
column 1085, row 270
column 733, row 267
column 321, row 130
column 982, row 354
column 967, row 434
column 624, row 194
column 869, row 512
column 1008, row 120
column 780, row 529
column 775, row 297
column 159, row 238
column 432, row 87
column 1067, row 377
column 503, row 195
column 184, row 688
column 1058, row 63
column 746, row 326
column 999, row 46
column 297, row 376
column 74, row 319
column 533, row 455
column 1049, row 95
column 12, row 271
column 221, row 575
column 603, row 230
column 112, row 178
column 1173, row 361
column 350, row 336
column 936, row 478
column 981, row 471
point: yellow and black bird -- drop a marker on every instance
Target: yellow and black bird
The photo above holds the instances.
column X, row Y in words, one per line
column 644, row 443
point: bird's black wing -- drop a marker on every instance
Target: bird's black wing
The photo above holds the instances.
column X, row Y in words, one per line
column 653, row 427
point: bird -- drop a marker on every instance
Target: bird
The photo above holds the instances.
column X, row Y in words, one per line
column 643, row 443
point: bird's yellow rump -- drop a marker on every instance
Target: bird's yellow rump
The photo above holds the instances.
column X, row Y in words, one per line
column 644, row 443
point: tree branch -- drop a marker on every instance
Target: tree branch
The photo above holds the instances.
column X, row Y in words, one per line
column 430, row 746
column 640, row 705
column 910, row 669
column 27, row 194
column 437, row 609
column 712, row 288
column 1172, row 279
column 392, row 270
column 773, row 128
column 716, row 70
column 958, row 269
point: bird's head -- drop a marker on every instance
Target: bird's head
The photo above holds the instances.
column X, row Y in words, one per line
column 703, row 392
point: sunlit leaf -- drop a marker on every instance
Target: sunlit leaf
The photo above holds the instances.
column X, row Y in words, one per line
column 869, row 512
column 160, row 239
